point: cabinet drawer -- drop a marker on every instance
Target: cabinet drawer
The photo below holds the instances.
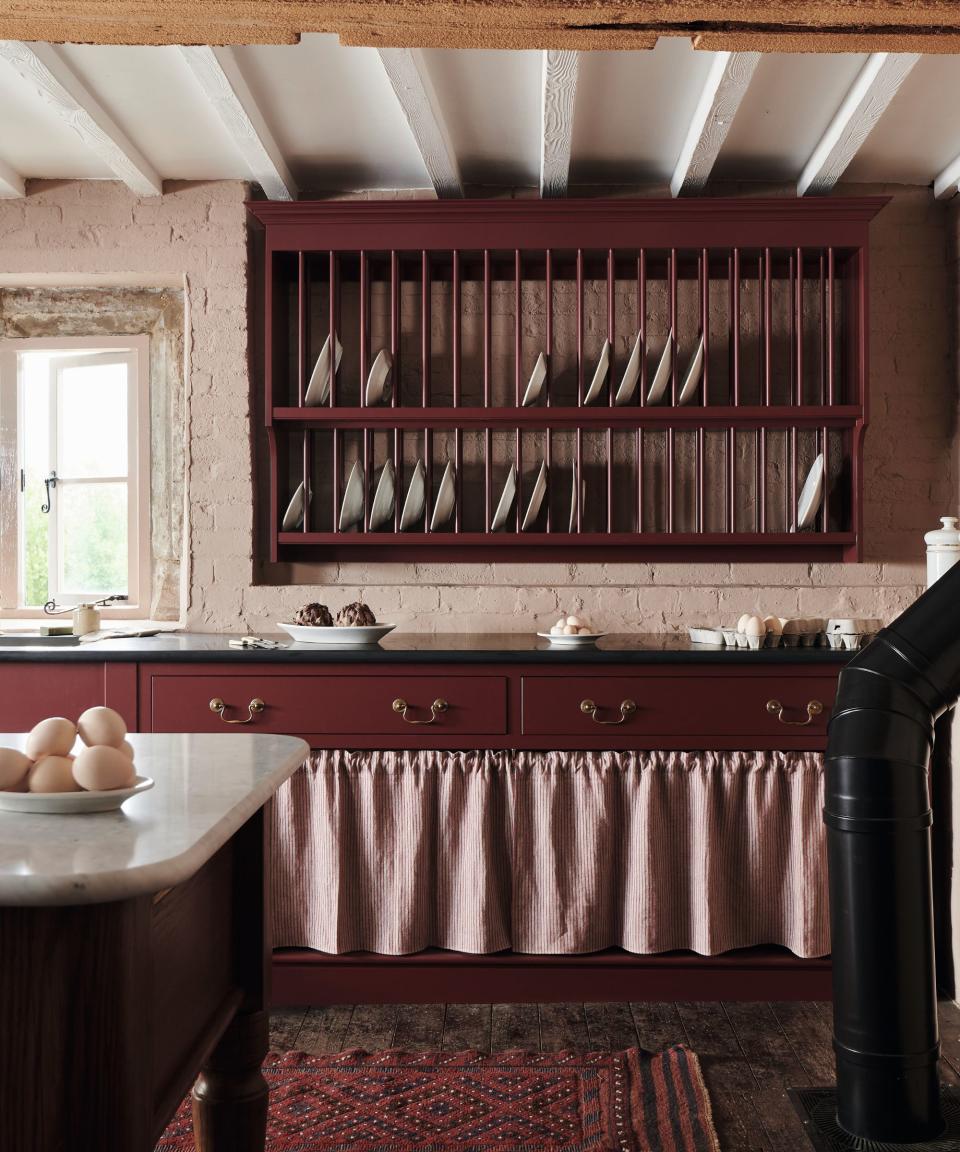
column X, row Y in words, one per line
column 32, row 692
column 338, row 705
column 721, row 705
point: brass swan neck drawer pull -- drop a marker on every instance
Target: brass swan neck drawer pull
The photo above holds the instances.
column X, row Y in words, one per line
column 439, row 705
column 254, row 708
column 775, row 708
column 627, row 709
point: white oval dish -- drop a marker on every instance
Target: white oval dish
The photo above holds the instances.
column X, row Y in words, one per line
column 72, row 803
column 344, row 636
column 577, row 641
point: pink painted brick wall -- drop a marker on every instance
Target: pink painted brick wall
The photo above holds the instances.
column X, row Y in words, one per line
column 196, row 234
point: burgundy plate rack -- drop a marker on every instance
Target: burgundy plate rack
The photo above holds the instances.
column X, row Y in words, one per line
column 703, row 358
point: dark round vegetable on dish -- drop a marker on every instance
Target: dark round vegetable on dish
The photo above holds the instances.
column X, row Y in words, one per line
column 356, row 615
column 314, row 616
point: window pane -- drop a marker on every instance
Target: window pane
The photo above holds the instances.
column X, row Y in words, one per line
column 93, row 538
column 93, row 420
column 36, row 465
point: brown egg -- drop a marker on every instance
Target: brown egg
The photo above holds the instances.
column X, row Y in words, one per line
column 127, row 749
column 53, row 737
column 102, row 726
column 13, row 767
column 52, row 774
column 101, row 769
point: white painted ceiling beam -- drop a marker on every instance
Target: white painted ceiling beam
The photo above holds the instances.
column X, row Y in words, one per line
column 218, row 74
column 726, row 85
column 46, row 71
column 875, row 86
column 560, row 70
column 947, row 184
column 12, row 184
column 410, row 80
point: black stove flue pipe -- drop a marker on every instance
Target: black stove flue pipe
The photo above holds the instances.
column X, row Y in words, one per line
column 878, row 818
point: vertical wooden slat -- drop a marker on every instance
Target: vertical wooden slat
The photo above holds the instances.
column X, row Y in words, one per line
column 487, row 437
column 825, row 507
column 675, row 352
column 426, row 320
column 579, row 450
column 458, row 433
column 332, row 327
column 302, row 313
column 735, row 326
column 734, row 273
column 548, row 289
column 611, row 336
column 517, row 362
column 822, row 297
column 799, row 324
column 364, row 339
column 831, row 272
column 395, row 380
column 703, row 275
column 641, row 328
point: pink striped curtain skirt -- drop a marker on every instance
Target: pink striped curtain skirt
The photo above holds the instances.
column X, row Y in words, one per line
column 553, row 852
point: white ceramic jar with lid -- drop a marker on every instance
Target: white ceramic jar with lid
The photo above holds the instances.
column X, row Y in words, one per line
column 943, row 548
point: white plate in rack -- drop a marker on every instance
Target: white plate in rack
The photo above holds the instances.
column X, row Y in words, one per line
column 535, row 385
column 385, row 497
column 536, row 499
column 506, row 500
column 446, row 498
column 811, row 495
column 628, row 385
column 293, row 517
column 416, row 497
column 318, row 390
column 691, row 381
column 600, row 375
column 661, row 378
column 342, row 637
column 378, row 376
column 72, row 803
column 572, row 641
column 351, row 510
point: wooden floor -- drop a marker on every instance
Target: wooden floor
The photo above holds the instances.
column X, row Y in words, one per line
column 750, row 1052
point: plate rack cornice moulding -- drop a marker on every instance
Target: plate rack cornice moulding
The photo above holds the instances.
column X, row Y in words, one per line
column 688, row 376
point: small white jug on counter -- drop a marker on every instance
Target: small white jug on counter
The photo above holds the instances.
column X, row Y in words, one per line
column 943, row 548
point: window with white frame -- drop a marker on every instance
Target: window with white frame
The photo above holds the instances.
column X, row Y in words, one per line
column 74, row 415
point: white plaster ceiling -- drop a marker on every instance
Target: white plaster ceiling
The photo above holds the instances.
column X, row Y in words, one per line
column 318, row 116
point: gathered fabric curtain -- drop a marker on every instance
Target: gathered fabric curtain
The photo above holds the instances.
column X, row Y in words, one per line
column 551, row 852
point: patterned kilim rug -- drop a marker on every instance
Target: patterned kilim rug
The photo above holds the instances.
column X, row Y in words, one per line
column 628, row 1101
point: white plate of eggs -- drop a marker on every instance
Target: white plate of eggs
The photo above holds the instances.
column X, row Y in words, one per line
column 571, row 632
column 53, row 773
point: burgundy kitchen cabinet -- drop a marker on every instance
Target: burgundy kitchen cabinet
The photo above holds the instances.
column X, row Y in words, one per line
column 30, row 692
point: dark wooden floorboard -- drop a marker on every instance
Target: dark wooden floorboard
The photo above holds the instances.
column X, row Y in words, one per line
column 563, row 1026
column 324, row 1029
column 515, row 1026
column 285, row 1027
column 610, row 1027
column 419, row 1027
column 467, row 1026
column 750, row 1053
column 730, row 1081
column 372, row 1027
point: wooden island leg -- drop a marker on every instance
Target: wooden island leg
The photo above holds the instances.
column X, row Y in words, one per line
column 231, row 1096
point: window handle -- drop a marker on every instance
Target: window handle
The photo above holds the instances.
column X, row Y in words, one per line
column 49, row 482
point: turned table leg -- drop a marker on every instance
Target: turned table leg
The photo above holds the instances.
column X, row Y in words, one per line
column 230, row 1097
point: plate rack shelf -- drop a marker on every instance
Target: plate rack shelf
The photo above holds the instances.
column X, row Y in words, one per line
column 654, row 378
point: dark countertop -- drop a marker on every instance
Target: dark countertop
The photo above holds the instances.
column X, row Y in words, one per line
column 420, row 648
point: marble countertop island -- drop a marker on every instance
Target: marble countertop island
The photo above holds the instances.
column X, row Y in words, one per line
column 207, row 787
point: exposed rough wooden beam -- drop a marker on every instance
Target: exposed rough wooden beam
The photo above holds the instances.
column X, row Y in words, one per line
column 410, row 81
column 875, row 86
column 726, row 85
column 11, row 182
column 47, row 72
column 717, row 25
column 219, row 75
column 556, row 120
column 947, row 184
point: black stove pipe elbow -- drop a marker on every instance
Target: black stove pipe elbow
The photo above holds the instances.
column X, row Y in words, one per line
column 878, row 819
